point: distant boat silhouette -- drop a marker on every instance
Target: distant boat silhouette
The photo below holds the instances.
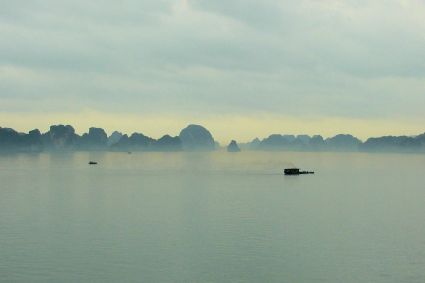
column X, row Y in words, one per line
column 296, row 171
column 92, row 163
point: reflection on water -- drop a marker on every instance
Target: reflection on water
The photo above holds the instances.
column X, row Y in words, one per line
column 212, row 217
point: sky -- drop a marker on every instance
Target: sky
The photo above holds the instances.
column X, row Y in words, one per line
column 241, row 68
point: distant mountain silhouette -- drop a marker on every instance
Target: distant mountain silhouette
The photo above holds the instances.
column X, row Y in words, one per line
column 233, row 147
column 114, row 138
column 317, row 143
column 196, row 137
column 60, row 137
column 140, row 142
column 289, row 142
column 135, row 142
column 391, row 143
column 276, row 141
column 343, row 142
column 96, row 138
column 168, row 143
column 252, row 145
column 12, row 140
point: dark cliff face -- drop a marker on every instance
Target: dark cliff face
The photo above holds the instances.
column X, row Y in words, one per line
column 96, row 138
column 254, row 144
column 291, row 142
column 302, row 139
column 9, row 137
column 195, row 137
column 114, row 138
column 392, row 143
column 12, row 140
column 60, row 137
column 136, row 141
column 276, row 142
column 317, row 142
column 34, row 140
column 307, row 143
column 167, row 143
column 343, row 142
column 233, row 147
column 123, row 143
column 140, row 142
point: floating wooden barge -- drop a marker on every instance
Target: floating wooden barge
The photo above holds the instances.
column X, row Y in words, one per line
column 296, row 171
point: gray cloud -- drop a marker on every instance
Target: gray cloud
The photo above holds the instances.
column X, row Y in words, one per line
column 327, row 58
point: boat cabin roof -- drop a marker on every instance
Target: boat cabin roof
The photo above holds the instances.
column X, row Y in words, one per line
column 292, row 169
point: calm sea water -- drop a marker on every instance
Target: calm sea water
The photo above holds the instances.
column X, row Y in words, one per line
column 212, row 217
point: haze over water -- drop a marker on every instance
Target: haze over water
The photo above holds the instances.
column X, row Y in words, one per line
column 212, row 217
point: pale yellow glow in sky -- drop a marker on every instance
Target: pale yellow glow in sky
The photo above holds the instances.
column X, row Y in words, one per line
column 223, row 128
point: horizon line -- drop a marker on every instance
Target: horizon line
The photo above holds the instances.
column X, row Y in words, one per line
column 129, row 133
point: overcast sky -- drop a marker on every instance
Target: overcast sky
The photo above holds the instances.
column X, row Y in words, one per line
column 243, row 68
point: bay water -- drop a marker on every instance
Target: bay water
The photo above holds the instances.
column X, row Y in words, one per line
column 212, row 217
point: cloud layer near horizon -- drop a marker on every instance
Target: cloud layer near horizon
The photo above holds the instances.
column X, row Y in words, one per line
column 326, row 59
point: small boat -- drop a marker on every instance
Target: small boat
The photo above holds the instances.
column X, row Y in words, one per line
column 296, row 171
column 92, row 163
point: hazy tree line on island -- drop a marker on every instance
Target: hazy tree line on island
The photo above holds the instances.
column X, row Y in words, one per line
column 194, row 138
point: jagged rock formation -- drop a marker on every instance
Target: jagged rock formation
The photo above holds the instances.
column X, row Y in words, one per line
column 60, row 137
column 254, row 143
column 195, row 137
column 277, row 142
column 114, row 138
column 140, row 142
column 123, row 143
column 303, row 139
column 233, row 147
column 317, row 142
column 33, row 140
column 135, row 142
column 12, row 140
column 391, row 143
column 9, row 137
column 343, row 142
column 96, row 138
column 167, row 143
column 306, row 143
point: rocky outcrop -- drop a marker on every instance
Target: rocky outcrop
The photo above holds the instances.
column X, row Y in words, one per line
column 12, row 140
column 233, row 147
column 252, row 145
column 135, row 142
column 60, row 137
column 9, row 138
column 114, row 138
column 195, row 137
column 277, row 142
column 308, row 143
column 343, row 142
column 96, row 138
column 167, row 143
column 317, row 142
column 393, row 143
column 33, row 141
